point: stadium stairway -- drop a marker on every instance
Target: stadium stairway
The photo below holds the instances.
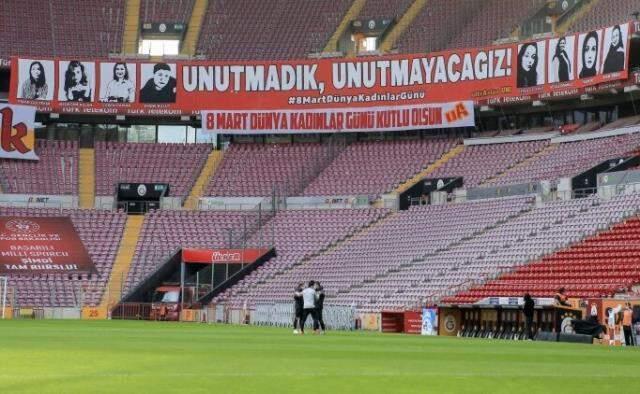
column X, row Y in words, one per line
column 209, row 168
column 404, row 22
column 352, row 14
column 120, row 269
column 585, row 8
column 430, row 169
column 194, row 27
column 87, row 178
column 523, row 163
column 131, row 27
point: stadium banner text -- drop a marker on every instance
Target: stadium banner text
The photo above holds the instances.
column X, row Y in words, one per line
column 17, row 136
column 222, row 256
column 412, row 117
column 41, row 245
column 173, row 88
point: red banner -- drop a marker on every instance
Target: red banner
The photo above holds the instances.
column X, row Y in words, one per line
column 90, row 86
column 412, row 117
column 41, row 245
column 222, row 256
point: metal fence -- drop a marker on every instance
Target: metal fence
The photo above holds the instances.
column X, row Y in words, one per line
column 281, row 315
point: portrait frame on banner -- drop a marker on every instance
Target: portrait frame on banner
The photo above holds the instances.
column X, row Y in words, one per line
column 76, row 81
column 40, row 88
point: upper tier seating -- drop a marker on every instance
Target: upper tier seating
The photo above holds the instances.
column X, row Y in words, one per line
column 55, row 173
column 61, row 27
column 176, row 164
column 477, row 163
column 255, row 169
column 163, row 11
column 436, row 24
column 384, row 9
column 493, row 20
column 373, row 168
column 605, row 13
column 100, row 232
column 268, row 29
column 569, row 159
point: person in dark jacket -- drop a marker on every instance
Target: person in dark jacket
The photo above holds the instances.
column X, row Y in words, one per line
column 297, row 302
column 161, row 87
column 528, row 315
column 320, row 305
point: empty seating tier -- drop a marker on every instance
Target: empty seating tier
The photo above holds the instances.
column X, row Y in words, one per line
column 100, row 232
column 165, row 11
column 175, row 164
column 385, row 246
column 259, row 169
column 268, row 29
column 569, row 159
column 61, row 27
column 373, row 168
column 596, row 266
column 55, row 173
column 477, row 163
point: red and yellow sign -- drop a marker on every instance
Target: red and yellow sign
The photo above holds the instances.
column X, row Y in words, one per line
column 222, row 256
column 17, row 139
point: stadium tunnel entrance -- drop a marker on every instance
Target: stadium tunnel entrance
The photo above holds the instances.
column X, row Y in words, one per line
column 190, row 278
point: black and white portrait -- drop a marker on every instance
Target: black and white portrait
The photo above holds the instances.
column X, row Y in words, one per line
column 117, row 82
column 589, row 57
column 36, row 79
column 531, row 64
column 615, row 42
column 158, row 83
column 561, row 59
column 76, row 81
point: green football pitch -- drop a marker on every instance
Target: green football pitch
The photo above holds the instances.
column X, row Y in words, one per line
column 143, row 357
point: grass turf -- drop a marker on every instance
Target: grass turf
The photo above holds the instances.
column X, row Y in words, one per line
column 125, row 356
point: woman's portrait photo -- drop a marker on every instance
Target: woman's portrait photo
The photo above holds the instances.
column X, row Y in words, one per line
column 530, row 67
column 614, row 44
column 589, row 48
column 35, row 85
column 160, row 85
column 118, row 82
column 77, row 80
column 561, row 55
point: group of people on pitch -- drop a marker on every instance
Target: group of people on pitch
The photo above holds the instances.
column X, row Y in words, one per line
column 308, row 300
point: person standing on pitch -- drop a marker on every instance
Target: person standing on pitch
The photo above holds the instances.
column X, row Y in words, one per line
column 320, row 305
column 528, row 315
column 627, row 316
column 309, row 298
column 297, row 301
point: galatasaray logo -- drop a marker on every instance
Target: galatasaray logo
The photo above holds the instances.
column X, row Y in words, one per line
column 22, row 226
column 450, row 323
column 566, row 326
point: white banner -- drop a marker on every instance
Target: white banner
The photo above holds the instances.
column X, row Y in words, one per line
column 331, row 120
column 17, row 138
column 429, row 321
